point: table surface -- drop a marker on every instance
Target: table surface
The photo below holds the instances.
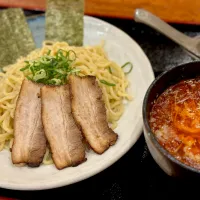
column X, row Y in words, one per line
column 135, row 175
column 184, row 11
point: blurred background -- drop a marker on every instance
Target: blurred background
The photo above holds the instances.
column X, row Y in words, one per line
column 176, row 11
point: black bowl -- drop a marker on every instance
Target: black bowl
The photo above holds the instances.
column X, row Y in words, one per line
column 166, row 161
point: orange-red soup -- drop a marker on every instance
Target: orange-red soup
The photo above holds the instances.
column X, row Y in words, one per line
column 175, row 121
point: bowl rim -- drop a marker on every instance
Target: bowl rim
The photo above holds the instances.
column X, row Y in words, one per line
column 146, row 121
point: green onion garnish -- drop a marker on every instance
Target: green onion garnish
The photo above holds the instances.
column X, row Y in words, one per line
column 107, row 83
column 128, row 64
column 52, row 70
column 110, row 70
column 48, row 53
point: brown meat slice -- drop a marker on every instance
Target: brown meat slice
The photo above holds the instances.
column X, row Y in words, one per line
column 89, row 112
column 29, row 139
column 64, row 137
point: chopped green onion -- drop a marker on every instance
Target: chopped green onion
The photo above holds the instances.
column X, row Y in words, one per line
column 107, row 83
column 126, row 65
column 76, row 70
column 24, row 68
column 49, row 52
column 39, row 75
column 110, row 70
column 72, row 55
column 55, row 81
column 52, row 70
column 29, row 78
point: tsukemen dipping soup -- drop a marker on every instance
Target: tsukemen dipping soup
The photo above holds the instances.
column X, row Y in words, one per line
column 175, row 121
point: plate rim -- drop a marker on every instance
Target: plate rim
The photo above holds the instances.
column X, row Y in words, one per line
column 64, row 182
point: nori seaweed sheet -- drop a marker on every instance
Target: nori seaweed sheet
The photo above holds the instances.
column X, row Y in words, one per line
column 15, row 36
column 64, row 21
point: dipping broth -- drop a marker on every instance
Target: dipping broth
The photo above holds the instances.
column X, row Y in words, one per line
column 175, row 121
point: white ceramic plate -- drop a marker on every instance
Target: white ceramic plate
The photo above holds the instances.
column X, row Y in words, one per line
column 120, row 48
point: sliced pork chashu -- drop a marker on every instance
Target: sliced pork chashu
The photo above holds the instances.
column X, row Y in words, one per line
column 62, row 133
column 90, row 113
column 29, row 139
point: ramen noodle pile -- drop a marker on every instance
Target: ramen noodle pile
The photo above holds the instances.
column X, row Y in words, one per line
column 90, row 60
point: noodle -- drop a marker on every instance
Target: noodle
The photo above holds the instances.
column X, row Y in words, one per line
column 90, row 61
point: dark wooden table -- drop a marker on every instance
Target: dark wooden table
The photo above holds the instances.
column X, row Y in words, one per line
column 135, row 175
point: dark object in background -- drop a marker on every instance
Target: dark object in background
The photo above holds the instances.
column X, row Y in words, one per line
column 163, row 158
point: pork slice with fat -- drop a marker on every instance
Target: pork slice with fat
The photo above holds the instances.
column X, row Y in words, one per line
column 29, row 139
column 89, row 112
column 62, row 133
